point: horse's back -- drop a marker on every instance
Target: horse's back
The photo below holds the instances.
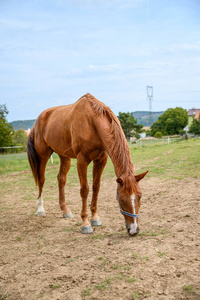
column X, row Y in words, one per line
column 68, row 129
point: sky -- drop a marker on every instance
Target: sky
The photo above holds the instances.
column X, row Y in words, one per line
column 54, row 51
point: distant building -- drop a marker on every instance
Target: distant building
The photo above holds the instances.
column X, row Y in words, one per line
column 27, row 131
column 142, row 135
column 193, row 114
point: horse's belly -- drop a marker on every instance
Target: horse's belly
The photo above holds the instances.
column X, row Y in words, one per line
column 95, row 154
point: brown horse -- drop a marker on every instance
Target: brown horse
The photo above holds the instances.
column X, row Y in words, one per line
column 88, row 131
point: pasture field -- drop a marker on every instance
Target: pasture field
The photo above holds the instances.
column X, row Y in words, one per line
column 49, row 258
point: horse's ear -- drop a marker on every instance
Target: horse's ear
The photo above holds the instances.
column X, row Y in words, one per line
column 140, row 176
column 120, row 180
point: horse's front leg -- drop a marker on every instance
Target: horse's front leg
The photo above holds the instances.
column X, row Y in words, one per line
column 82, row 164
column 98, row 168
column 65, row 163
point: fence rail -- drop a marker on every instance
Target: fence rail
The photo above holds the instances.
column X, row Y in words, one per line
column 142, row 142
column 13, row 149
column 161, row 142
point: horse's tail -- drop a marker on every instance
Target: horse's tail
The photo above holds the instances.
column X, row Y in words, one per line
column 33, row 158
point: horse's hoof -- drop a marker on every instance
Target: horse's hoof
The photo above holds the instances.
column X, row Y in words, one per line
column 86, row 229
column 41, row 214
column 68, row 215
column 96, row 222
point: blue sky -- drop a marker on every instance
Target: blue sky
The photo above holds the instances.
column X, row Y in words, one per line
column 54, row 51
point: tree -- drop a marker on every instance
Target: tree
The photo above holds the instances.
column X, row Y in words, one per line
column 195, row 127
column 171, row 122
column 19, row 138
column 129, row 124
column 158, row 135
column 6, row 129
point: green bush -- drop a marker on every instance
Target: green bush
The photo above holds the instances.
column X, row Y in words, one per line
column 195, row 127
column 158, row 135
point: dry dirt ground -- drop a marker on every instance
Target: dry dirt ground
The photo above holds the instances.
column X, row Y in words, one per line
column 49, row 258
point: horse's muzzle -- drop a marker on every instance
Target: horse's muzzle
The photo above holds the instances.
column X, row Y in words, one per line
column 131, row 233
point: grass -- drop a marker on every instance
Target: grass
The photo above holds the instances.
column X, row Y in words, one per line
column 69, row 229
column 161, row 254
column 137, row 256
column 189, row 288
column 135, row 295
column 104, row 284
column 176, row 161
column 117, row 266
column 99, row 236
column 131, row 279
column 150, row 233
column 5, row 296
column 87, row 292
column 54, row 286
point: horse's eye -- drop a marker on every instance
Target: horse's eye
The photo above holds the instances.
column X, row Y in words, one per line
column 122, row 200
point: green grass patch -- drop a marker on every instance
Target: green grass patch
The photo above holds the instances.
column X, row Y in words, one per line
column 130, row 279
column 148, row 233
column 127, row 267
column 189, row 288
column 178, row 160
column 69, row 229
column 164, row 232
column 173, row 161
column 117, row 266
column 104, row 284
column 99, row 236
column 54, row 286
column 137, row 256
column 87, row 292
column 135, row 295
column 5, row 296
column 161, row 254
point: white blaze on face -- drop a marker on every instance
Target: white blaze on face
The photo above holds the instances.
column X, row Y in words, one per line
column 133, row 226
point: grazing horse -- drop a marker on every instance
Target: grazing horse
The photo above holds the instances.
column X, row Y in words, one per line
column 88, row 131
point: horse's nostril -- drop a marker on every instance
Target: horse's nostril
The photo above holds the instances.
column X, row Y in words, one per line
column 133, row 233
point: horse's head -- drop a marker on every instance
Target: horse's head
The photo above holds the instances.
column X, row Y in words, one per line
column 128, row 196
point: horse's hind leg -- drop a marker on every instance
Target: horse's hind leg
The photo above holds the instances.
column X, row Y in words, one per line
column 98, row 168
column 41, row 180
column 65, row 163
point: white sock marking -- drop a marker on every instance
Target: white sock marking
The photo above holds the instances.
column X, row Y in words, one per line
column 40, row 210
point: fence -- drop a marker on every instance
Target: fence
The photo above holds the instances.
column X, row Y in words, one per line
column 152, row 142
column 13, row 149
column 139, row 143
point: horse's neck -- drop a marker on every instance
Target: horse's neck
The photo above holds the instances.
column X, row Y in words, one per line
column 112, row 136
column 117, row 148
column 121, row 161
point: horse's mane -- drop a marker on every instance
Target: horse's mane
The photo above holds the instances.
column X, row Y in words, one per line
column 114, row 138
